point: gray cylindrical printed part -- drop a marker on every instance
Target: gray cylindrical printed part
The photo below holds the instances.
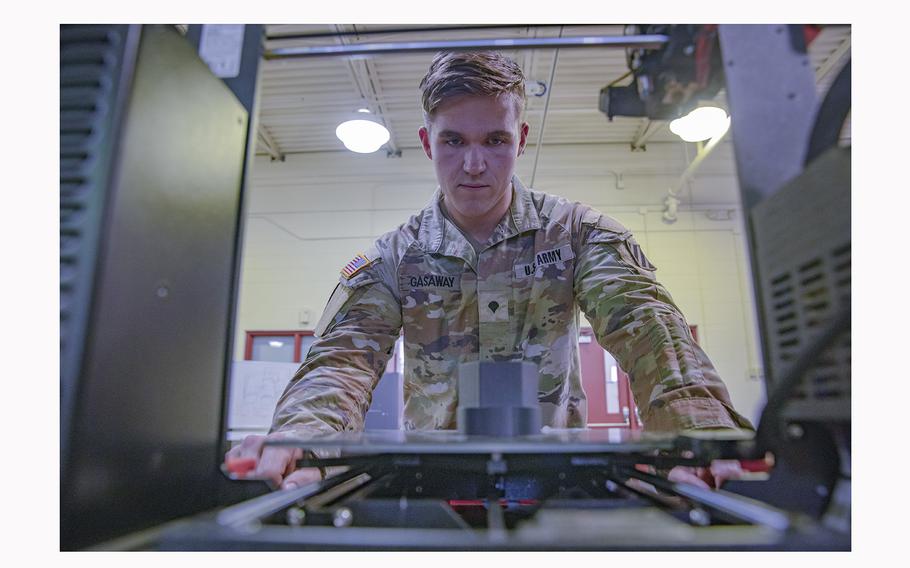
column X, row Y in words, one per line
column 499, row 421
column 498, row 399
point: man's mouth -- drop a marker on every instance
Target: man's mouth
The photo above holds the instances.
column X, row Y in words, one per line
column 473, row 185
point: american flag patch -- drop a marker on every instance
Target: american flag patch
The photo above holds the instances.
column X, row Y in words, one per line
column 353, row 267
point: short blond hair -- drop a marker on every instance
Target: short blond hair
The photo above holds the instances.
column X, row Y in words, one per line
column 486, row 73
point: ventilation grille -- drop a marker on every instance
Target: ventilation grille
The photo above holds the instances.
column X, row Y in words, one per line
column 803, row 301
column 89, row 66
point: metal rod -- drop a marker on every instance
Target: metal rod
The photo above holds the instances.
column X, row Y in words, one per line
column 546, row 108
column 700, row 156
column 415, row 30
column 639, row 42
column 671, row 502
column 366, row 490
column 269, row 143
column 255, row 509
column 645, row 132
column 338, row 491
column 724, row 502
column 496, row 522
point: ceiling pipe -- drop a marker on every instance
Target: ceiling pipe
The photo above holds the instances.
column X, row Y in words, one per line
column 635, row 42
column 671, row 201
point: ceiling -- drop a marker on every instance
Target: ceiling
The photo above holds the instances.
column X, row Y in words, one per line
column 302, row 100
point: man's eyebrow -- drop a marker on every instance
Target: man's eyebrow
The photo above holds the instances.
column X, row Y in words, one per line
column 498, row 133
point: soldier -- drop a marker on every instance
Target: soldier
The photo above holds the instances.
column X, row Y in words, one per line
column 493, row 271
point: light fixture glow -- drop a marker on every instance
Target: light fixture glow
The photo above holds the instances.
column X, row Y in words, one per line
column 362, row 136
column 701, row 124
column 276, row 344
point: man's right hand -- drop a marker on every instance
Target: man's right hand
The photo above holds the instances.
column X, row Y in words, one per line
column 274, row 463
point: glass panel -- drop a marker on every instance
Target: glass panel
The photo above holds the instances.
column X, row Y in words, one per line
column 305, row 342
column 279, row 348
column 612, row 396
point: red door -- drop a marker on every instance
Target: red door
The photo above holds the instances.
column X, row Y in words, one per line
column 610, row 403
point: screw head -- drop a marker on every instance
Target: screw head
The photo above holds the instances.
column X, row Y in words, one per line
column 795, row 431
column 700, row 517
column 343, row 517
column 296, row 516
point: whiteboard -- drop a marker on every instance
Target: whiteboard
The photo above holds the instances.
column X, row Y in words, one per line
column 255, row 388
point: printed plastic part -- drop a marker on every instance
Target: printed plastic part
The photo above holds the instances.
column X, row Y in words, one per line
column 498, row 399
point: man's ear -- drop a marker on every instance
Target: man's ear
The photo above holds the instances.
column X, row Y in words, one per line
column 523, row 139
column 424, row 136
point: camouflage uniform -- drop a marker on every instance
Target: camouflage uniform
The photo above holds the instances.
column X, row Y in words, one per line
column 516, row 298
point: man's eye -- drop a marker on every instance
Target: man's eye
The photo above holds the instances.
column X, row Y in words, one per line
column 497, row 141
column 453, row 142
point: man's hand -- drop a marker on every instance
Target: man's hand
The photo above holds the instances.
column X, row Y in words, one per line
column 708, row 478
column 274, row 463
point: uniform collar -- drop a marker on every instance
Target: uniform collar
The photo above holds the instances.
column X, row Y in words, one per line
column 524, row 213
column 439, row 235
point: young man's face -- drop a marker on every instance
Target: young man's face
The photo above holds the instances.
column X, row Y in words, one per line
column 473, row 142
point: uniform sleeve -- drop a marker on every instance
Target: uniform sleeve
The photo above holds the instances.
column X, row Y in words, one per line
column 333, row 388
column 634, row 318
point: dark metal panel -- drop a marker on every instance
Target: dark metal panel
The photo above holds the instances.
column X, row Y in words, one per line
column 802, row 246
column 145, row 435
column 245, row 86
column 96, row 70
column 771, row 91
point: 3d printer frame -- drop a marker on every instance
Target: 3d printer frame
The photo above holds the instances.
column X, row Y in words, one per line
column 562, row 490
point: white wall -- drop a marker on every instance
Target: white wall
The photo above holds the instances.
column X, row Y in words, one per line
column 308, row 216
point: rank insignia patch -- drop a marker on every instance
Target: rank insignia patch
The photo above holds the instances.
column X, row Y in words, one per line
column 353, row 267
column 639, row 255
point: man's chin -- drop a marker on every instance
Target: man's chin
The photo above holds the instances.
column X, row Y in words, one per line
column 472, row 211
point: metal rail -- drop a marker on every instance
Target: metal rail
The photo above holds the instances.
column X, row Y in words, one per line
column 254, row 510
column 635, row 41
column 728, row 504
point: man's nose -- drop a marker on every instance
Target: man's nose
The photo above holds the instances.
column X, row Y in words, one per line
column 474, row 163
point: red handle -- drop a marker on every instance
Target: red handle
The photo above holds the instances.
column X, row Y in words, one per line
column 240, row 466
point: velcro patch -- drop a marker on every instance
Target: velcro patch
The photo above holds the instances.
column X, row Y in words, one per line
column 493, row 306
column 337, row 300
column 357, row 264
column 429, row 280
column 639, row 255
column 544, row 258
